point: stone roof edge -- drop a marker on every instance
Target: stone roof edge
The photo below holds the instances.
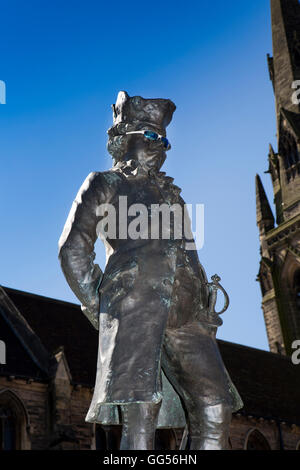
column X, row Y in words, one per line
column 40, row 297
column 262, row 351
column 30, row 341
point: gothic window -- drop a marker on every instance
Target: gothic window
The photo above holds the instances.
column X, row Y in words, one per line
column 14, row 424
column 256, row 441
column 7, row 429
column 289, row 150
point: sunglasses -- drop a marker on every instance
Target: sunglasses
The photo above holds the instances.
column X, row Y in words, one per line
column 150, row 135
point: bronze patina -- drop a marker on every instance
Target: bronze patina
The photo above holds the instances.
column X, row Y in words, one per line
column 158, row 359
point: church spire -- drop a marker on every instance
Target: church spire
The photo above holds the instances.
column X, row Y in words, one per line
column 264, row 215
column 279, row 273
column 285, row 65
column 284, row 69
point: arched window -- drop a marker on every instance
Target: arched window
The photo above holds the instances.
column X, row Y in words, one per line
column 7, row 429
column 14, row 423
column 255, row 440
column 289, row 149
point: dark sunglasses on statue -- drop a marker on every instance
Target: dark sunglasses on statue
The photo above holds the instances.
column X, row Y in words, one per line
column 150, row 135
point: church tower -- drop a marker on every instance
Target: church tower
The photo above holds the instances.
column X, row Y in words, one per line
column 279, row 273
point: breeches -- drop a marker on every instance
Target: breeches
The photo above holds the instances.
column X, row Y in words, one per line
column 192, row 363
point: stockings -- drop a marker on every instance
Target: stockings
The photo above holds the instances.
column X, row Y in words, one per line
column 209, row 427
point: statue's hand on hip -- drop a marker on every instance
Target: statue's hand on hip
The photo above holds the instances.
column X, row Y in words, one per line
column 91, row 301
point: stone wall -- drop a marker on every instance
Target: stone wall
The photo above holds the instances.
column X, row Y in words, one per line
column 32, row 401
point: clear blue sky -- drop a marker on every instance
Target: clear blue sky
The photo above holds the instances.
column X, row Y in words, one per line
column 64, row 63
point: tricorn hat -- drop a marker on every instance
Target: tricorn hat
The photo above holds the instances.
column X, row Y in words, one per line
column 137, row 113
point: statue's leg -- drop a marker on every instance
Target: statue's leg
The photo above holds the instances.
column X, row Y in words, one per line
column 139, row 425
column 209, row 426
column 192, row 362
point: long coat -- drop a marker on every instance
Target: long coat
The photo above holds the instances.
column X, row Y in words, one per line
column 138, row 295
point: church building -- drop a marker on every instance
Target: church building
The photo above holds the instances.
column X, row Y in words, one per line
column 48, row 349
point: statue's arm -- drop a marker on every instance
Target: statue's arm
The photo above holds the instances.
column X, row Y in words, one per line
column 76, row 248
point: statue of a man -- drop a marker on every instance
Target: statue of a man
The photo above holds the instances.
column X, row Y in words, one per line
column 152, row 304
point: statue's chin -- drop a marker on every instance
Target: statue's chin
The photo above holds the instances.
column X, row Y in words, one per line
column 154, row 163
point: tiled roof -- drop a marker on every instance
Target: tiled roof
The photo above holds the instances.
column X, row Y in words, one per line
column 57, row 324
column 268, row 383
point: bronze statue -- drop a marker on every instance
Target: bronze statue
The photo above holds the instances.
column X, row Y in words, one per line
column 153, row 306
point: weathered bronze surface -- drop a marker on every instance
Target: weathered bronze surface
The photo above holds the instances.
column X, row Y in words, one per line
column 158, row 359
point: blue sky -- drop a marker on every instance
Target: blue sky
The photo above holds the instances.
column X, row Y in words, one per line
column 64, row 63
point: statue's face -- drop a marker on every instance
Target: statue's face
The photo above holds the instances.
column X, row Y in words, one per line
column 151, row 154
